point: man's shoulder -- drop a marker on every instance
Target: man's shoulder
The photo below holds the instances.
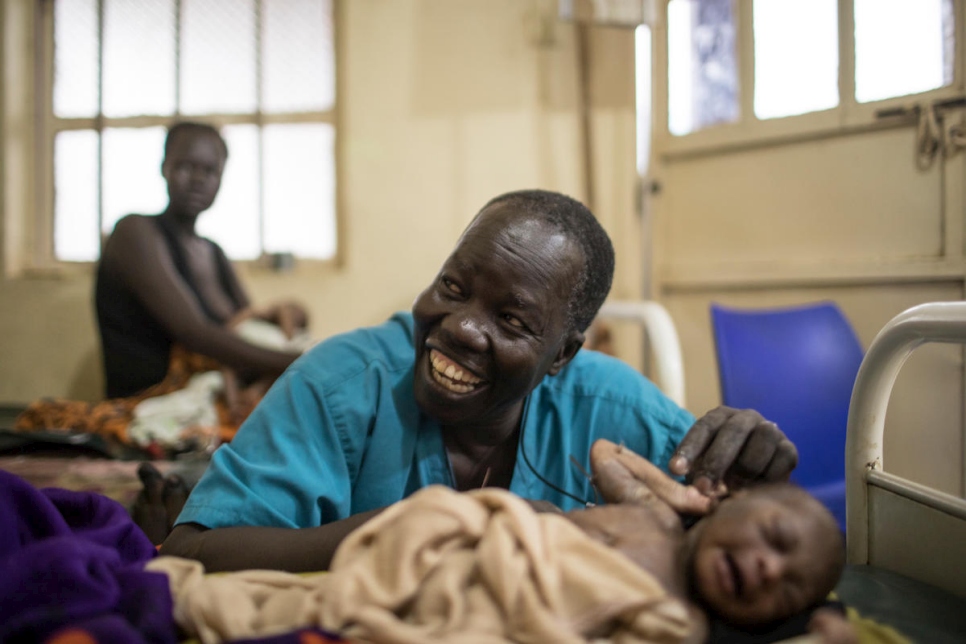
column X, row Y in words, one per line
column 595, row 378
column 387, row 346
column 596, row 370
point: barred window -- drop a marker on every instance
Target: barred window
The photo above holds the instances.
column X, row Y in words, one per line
column 900, row 48
column 263, row 71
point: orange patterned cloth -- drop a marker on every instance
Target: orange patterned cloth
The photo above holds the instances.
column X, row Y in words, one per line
column 110, row 418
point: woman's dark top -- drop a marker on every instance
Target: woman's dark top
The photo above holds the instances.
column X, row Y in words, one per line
column 135, row 347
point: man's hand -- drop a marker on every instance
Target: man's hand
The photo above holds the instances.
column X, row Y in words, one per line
column 159, row 502
column 733, row 448
column 832, row 627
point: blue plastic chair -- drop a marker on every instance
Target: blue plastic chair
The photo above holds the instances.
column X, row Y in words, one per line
column 796, row 366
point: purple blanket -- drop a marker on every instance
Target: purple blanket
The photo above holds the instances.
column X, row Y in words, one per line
column 72, row 563
column 71, row 571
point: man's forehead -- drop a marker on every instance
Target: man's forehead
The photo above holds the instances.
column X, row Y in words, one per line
column 503, row 221
column 501, row 214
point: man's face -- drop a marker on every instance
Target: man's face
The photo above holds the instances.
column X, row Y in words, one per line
column 193, row 170
column 494, row 322
column 759, row 559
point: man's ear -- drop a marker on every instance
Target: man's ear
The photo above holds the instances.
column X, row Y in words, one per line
column 567, row 352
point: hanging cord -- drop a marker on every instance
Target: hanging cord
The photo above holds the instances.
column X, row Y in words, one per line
column 590, row 479
column 929, row 136
column 932, row 137
column 526, row 459
column 955, row 139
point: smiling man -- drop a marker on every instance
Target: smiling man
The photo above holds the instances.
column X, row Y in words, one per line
column 482, row 384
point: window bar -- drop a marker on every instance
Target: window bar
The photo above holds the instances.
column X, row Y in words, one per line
column 42, row 243
column 743, row 15
column 177, row 59
column 99, row 127
column 846, row 43
column 260, row 123
column 949, row 22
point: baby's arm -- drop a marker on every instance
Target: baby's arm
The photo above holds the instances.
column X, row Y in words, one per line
column 641, row 516
column 622, row 476
column 641, row 520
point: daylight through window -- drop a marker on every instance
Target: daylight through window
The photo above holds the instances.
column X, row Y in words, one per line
column 261, row 70
column 902, row 47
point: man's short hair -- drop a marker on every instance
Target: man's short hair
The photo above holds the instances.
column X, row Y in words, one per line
column 192, row 127
column 574, row 220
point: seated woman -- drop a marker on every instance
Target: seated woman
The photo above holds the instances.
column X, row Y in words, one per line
column 159, row 283
column 483, row 566
column 170, row 305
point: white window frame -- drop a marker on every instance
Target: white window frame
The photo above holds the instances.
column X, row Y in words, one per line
column 39, row 257
column 849, row 116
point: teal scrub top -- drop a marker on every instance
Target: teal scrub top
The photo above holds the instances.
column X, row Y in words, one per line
column 340, row 433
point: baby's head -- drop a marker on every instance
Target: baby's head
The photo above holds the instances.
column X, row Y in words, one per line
column 765, row 554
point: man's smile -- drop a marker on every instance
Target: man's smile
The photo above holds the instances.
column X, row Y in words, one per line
column 451, row 375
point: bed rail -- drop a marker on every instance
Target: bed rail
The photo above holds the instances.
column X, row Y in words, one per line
column 663, row 336
column 892, row 522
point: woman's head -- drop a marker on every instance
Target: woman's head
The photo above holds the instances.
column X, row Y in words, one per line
column 194, row 160
column 765, row 554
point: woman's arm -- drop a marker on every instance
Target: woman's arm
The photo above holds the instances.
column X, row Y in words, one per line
column 234, row 285
column 138, row 253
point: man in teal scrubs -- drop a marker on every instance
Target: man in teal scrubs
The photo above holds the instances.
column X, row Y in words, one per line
column 482, row 384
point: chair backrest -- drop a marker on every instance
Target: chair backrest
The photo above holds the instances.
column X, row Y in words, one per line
column 796, row 366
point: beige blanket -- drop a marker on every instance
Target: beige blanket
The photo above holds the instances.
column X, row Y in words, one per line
column 443, row 567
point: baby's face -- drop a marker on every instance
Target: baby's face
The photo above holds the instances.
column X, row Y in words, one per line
column 758, row 559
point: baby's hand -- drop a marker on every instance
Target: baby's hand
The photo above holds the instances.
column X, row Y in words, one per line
column 290, row 316
column 543, row 507
column 832, row 627
column 625, row 477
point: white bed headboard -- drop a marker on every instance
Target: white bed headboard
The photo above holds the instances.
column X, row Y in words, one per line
column 892, row 522
column 663, row 336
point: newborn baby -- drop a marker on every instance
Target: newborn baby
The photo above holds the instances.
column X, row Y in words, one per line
column 758, row 556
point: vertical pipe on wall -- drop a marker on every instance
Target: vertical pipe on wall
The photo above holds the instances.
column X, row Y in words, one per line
column 582, row 46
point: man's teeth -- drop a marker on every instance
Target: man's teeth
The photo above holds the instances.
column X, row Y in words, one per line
column 451, row 376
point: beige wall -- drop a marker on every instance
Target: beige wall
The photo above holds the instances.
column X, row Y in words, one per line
column 848, row 218
column 443, row 104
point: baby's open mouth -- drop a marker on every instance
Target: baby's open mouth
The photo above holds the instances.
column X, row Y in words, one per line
column 735, row 575
column 451, row 375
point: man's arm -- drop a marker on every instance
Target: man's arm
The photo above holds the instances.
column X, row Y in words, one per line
column 279, row 495
column 251, row 547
